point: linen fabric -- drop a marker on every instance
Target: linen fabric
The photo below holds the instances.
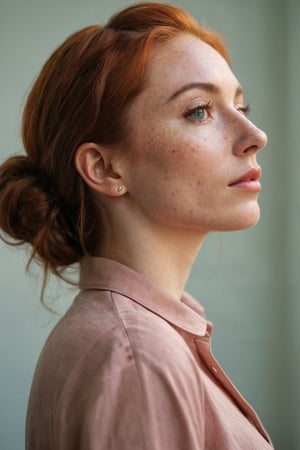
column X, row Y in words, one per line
column 129, row 367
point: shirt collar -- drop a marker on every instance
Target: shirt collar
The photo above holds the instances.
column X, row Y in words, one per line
column 106, row 274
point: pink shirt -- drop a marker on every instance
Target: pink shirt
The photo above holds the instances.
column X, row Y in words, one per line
column 130, row 368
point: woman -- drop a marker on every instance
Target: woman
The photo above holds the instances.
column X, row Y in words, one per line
column 138, row 145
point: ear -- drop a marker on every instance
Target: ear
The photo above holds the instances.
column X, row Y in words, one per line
column 94, row 164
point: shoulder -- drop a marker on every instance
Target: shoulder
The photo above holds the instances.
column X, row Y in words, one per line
column 163, row 361
column 119, row 370
column 150, row 379
column 116, row 331
column 112, row 327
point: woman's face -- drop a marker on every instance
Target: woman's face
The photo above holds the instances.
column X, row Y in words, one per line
column 191, row 150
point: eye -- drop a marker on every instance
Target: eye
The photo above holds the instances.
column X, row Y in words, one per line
column 198, row 114
column 244, row 109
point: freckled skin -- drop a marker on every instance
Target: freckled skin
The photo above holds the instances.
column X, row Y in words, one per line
column 182, row 168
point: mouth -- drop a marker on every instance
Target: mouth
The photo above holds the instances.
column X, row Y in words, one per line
column 249, row 181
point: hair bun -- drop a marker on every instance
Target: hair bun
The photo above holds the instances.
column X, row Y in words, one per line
column 31, row 213
column 23, row 204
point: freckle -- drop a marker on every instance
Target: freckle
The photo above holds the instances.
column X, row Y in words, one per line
column 190, row 211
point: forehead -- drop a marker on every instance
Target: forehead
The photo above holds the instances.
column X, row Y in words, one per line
column 187, row 59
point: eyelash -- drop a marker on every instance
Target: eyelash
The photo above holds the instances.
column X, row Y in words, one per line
column 204, row 107
column 245, row 110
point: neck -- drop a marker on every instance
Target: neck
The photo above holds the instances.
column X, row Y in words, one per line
column 165, row 256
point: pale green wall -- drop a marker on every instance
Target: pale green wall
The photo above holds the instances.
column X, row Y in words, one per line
column 248, row 281
column 291, row 185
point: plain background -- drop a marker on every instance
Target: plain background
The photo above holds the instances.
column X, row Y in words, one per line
column 249, row 282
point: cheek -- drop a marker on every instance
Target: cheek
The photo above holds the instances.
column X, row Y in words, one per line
column 156, row 149
column 173, row 155
column 190, row 159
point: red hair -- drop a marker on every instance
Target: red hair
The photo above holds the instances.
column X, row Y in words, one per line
column 81, row 95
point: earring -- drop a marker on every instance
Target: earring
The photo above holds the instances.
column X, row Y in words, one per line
column 119, row 188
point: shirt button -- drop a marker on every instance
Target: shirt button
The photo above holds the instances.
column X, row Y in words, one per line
column 214, row 369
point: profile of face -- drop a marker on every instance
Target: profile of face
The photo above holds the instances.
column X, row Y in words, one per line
column 190, row 155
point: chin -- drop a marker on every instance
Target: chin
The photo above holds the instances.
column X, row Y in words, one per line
column 241, row 220
column 249, row 218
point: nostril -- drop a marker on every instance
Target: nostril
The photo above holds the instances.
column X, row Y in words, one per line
column 256, row 141
column 251, row 148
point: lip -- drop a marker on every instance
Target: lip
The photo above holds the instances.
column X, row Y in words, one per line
column 249, row 181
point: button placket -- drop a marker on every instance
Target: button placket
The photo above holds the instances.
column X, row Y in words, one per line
column 204, row 349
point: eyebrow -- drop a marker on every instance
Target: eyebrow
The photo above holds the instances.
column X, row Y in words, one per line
column 209, row 87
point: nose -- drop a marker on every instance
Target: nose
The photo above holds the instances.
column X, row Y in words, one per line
column 250, row 138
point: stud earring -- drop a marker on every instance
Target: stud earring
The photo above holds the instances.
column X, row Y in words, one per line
column 119, row 188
